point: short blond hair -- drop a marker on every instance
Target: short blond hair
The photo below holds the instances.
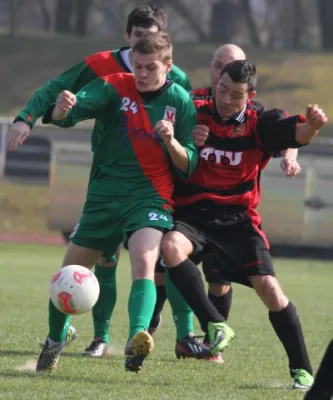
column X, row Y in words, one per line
column 154, row 42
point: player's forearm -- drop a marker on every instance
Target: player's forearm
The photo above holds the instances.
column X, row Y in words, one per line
column 72, row 79
column 291, row 154
column 178, row 155
column 305, row 133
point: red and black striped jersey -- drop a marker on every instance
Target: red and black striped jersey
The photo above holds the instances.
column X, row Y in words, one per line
column 202, row 93
column 235, row 153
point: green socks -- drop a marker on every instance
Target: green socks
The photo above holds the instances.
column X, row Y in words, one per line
column 181, row 311
column 102, row 311
column 141, row 304
column 58, row 324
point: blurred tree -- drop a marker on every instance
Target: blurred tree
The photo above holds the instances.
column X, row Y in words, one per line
column 325, row 14
column 223, row 21
column 47, row 20
column 63, row 16
column 299, row 24
column 251, row 23
column 82, row 9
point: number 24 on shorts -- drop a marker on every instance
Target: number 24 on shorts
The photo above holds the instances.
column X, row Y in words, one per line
column 156, row 217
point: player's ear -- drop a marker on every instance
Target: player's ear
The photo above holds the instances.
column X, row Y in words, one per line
column 217, row 79
column 169, row 65
column 252, row 94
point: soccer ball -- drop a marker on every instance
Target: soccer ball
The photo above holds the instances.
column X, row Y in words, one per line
column 74, row 290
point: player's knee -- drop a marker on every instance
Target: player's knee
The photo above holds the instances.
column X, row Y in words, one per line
column 269, row 290
column 174, row 248
column 218, row 290
column 102, row 262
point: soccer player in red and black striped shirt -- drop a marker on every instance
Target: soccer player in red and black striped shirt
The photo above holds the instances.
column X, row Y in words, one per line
column 216, row 210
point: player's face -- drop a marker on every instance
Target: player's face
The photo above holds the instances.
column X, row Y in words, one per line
column 219, row 61
column 231, row 97
column 150, row 71
column 138, row 32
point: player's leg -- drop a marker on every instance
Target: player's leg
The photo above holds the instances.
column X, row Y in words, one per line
column 61, row 333
column 161, row 296
column 86, row 247
column 255, row 262
column 105, row 271
column 177, row 246
column 144, row 249
column 322, row 388
column 219, row 293
column 181, row 313
column 219, row 290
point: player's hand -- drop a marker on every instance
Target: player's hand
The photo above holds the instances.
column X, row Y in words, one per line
column 200, row 135
column 315, row 117
column 17, row 134
column 290, row 167
column 165, row 130
column 65, row 101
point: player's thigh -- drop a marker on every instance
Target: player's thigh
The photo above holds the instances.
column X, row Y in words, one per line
column 98, row 227
column 213, row 275
column 144, row 249
column 77, row 255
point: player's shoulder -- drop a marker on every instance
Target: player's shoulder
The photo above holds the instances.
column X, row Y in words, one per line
column 177, row 72
column 201, row 93
column 179, row 91
column 99, row 56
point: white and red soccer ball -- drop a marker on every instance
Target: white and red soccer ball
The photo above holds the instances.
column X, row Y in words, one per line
column 74, row 290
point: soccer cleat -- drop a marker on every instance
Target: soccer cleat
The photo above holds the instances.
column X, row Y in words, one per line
column 49, row 356
column 220, row 335
column 217, row 358
column 190, row 347
column 153, row 328
column 137, row 350
column 302, row 379
column 97, row 348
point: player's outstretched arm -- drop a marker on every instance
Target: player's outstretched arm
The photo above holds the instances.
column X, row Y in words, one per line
column 275, row 132
column 315, row 120
column 89, row 103
column 73, row 79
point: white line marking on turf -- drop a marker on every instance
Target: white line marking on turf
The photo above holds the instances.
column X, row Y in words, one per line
column 277, row 385
column 29, row 366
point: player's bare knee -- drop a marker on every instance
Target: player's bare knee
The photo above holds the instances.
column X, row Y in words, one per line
column 102, row 262
column 269, row 290
column 77, row 255
column 218, row 290
column 175, row 248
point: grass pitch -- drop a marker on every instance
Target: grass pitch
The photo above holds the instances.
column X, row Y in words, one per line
column 256, row 366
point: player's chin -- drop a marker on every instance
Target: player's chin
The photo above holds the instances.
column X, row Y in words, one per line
column 142, row 86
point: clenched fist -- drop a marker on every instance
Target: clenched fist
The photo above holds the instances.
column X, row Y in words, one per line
column 315, row 117
column 200, row 135
column 65, row 101
column 165, row 130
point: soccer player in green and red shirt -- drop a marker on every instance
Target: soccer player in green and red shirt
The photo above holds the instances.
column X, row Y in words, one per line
column 144, row 124
column 141, row 20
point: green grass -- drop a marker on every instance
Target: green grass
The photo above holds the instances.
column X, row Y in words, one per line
column 256, row 366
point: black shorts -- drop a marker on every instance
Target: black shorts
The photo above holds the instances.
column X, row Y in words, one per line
column 235, row 248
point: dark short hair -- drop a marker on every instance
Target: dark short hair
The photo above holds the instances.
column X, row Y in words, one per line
column 146, row 17
column 242, row 71
column 154, row 42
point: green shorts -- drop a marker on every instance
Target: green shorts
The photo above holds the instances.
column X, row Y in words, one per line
column 104, row 225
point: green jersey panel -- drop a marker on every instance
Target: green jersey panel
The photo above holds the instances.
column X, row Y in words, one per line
column 132, row 159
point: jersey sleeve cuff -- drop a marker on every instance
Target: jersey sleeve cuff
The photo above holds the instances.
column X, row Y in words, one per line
column 29, row 119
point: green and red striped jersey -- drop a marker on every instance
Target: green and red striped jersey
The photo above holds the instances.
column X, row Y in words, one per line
column 132, row 159
column 97, row 65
